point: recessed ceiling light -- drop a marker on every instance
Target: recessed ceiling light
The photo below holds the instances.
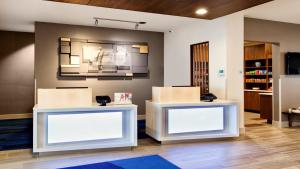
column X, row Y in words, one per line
column 201, row 11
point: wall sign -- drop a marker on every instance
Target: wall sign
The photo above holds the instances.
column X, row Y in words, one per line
column 90, row 58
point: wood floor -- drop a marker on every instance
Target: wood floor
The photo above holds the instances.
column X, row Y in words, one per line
column 262, row 147
column 253, row 119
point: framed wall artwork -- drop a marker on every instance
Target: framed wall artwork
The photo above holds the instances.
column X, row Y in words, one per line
column 90, row 58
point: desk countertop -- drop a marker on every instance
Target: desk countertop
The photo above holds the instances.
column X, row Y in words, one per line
column 200, row 103
column 94, row 106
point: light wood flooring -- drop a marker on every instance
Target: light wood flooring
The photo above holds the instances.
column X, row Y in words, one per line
column 263, row 147
column 253, row 119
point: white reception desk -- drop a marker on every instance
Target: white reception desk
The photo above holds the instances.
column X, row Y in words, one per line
column 186, row 120
column 91, row 126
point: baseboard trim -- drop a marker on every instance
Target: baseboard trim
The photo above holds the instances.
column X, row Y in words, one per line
column 14, row 154
column 141, row 117
column 285, row 124
column 276, row 124
column 15, row 116
column 242, row 131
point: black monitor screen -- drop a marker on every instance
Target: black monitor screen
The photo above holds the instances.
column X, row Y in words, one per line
column 293, row 63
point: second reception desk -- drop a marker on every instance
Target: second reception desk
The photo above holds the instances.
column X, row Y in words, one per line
column 175, row 121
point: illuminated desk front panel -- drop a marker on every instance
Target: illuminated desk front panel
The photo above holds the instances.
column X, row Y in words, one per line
column 64, row 128
column 60, row 129
column 193, row 120
column 187, row 120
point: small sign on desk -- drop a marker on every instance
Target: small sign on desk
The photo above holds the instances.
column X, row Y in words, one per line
column 123, row 98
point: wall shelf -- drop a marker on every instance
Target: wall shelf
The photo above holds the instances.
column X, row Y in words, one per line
column 259, row 82
column 261, row 53
column 257, row 76
column 258, row 67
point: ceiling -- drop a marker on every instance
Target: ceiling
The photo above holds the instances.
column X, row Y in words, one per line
column 21, row 17
column 185, row 8
column 278, row 10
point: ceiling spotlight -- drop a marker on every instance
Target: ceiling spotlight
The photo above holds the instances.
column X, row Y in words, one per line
column 201, row 11
column 136, row 26
column 96, row 22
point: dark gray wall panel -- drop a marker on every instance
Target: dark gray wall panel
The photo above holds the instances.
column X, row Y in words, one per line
column 16, row 72
column 46, row 60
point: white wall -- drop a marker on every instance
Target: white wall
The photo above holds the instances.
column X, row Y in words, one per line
column 177, row 53
column 235, row 60
column 289, row 97
column 225, row 36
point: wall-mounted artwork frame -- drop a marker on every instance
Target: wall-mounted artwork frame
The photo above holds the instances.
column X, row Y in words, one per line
column 94, row 58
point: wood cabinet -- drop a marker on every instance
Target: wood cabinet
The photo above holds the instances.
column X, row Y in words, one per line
column 252, row 101
column 255, row 52
column 257, row 102
column 266, row 107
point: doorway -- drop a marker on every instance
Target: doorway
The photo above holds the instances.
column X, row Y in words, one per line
column 258, row 82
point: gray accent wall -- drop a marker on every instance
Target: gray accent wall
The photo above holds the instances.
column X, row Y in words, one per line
column 286, row 35
column 46, row 60
column 16, row 72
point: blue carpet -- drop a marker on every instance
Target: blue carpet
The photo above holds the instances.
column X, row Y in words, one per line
column 146, row 162
column 142, row 129
column 15, row 134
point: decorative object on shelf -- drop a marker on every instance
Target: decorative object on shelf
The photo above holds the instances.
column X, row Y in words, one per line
column 270, row 80
column 94, row 58
column 258, row 64
column 200, row 66
column 253, row 80
column 122, row 98
column 103, row 100
column 257, row 72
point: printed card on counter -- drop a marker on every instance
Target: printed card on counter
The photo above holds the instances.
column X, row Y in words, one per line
column 123, row 98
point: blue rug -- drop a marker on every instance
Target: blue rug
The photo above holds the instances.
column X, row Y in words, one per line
column 146, row 162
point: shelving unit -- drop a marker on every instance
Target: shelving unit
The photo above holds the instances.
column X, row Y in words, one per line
column 258, row 66
column 258, row 73
column 200, row 66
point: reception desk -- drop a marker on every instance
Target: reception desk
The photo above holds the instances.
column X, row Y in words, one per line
column 61, row 127
column 186, row 120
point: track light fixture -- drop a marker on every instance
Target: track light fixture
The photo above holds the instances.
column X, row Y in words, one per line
column 136, row 27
